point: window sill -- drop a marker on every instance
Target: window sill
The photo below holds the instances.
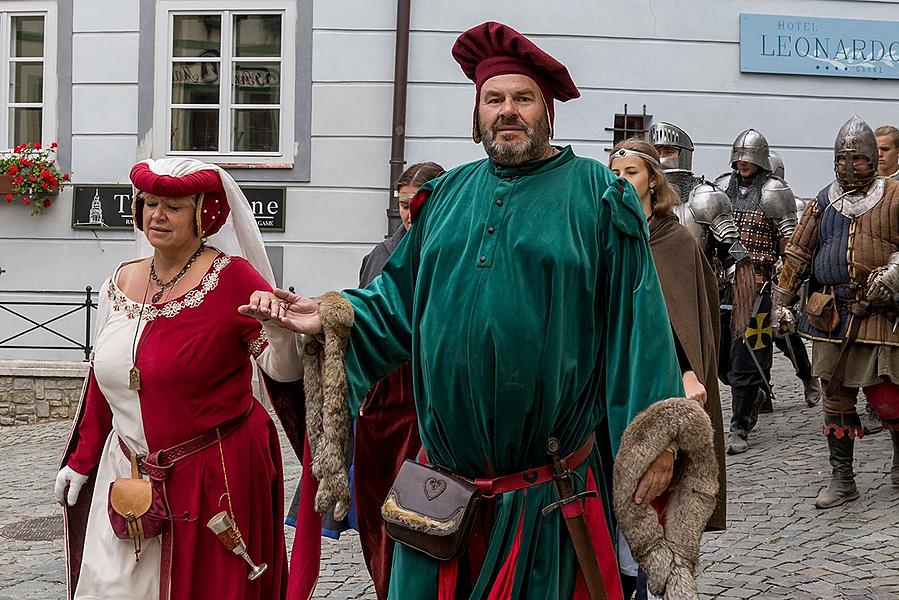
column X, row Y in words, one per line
column 240, row 165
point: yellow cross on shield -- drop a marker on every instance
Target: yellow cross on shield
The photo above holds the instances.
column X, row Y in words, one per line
column 759, row 328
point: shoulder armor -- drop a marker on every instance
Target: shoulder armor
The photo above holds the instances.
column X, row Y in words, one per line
column 778, row 200
column 723, row 181
column 708, row 202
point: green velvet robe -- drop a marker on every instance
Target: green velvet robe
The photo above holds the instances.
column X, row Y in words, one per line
column 527, row 299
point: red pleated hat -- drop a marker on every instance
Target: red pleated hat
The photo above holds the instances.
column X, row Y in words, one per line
column 492, row 49
column 212, row 207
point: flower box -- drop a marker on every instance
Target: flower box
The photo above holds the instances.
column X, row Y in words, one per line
column 29, row 176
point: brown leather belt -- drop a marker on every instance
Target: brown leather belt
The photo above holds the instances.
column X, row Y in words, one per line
column 157, row 465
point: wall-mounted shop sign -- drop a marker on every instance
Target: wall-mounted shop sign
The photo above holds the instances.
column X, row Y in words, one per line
column 816, row 46
column 109, row 207
column 268, row 207
column 102, row 207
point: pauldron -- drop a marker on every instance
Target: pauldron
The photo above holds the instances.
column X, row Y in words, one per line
column 779, row 204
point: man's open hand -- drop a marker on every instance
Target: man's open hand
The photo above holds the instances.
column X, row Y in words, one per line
column 296, row 313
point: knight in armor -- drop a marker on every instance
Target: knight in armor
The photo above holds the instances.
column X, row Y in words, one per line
column 704, row 210
column 847, row 245
column 888, row 149
column 764, row 210
column 791, row 344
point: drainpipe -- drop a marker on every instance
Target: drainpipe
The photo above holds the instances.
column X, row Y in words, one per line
column 398, row 136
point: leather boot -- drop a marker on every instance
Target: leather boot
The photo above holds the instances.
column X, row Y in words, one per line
column 842, row 483
column 761, row 397
column 737, row 442
column 811, row 391
column 764, row 403
column 743, row 401
column 871, row 423
column 894, row 472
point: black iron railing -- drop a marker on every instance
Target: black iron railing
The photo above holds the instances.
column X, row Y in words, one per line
column 68, row 309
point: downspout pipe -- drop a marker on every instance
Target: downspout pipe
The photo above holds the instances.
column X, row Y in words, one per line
column 398, row 135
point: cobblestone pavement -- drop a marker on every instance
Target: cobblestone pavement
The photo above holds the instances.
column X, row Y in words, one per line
column 777, row 545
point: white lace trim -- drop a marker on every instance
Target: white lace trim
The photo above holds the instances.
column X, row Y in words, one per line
column 191, row 299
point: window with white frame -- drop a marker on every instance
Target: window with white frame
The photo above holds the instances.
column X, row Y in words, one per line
column 28, row 81
column 228, row 91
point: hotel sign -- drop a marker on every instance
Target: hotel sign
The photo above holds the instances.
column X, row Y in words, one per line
column 109, row 207
column 817, row 46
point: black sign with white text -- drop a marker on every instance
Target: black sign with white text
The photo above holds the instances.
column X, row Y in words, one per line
column 102, row 207
column 109, row 207
column 268, row 207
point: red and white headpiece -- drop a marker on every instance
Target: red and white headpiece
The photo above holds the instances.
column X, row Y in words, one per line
column 212, row 203
column 223, row 214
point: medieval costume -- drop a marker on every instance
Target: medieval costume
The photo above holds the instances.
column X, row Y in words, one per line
column 765, row 214
column 385, row 434
column 691, row 296
column 522, row 316
column 848, row 246
column 707, row 215
column 191, row 421
column 791, row 344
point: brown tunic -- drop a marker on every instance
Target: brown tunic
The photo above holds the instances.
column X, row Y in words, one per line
column 873, row 237
column 691, row 295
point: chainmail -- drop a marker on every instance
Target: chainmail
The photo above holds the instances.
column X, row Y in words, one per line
column 752, row 199
column 683, row 182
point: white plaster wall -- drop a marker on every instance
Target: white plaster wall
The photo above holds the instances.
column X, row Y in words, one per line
column 680, row 58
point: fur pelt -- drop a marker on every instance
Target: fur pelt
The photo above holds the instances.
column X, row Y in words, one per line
column 394, row 512
column 327, row 418
column 668, row 556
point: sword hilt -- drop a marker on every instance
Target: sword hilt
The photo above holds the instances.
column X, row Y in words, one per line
column 560, row 469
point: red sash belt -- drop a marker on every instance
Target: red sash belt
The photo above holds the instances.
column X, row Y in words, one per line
column 157, row 465
column 531, row 477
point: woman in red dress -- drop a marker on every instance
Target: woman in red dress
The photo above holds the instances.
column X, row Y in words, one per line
column 172, row 374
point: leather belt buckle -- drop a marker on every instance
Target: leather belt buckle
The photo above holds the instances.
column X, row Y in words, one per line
column 140, row 462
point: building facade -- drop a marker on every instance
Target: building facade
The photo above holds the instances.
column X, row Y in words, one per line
column 295, row 98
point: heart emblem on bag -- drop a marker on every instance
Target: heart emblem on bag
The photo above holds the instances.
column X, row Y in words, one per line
column 434, row 487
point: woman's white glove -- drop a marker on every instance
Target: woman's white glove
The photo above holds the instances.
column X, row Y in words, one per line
column 68, row 477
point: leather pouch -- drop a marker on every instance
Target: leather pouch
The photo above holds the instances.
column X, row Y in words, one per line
column 822, row 312
column 136, row 508
column 430, row 510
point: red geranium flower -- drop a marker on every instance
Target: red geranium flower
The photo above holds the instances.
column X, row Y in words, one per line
column 34, row 175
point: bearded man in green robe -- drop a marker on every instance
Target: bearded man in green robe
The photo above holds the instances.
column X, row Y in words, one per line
column 526, row 297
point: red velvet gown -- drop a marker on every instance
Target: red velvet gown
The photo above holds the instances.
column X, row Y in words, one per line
column 196, row 373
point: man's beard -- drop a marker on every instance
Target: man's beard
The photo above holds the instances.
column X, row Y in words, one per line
column 534, row 146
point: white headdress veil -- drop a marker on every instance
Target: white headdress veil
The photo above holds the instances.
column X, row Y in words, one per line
column 239, row 236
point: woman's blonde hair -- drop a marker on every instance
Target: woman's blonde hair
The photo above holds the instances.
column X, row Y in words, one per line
column 664, row 197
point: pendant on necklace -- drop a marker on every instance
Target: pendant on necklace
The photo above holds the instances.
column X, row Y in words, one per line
column 134, row 379
column 158, row 296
